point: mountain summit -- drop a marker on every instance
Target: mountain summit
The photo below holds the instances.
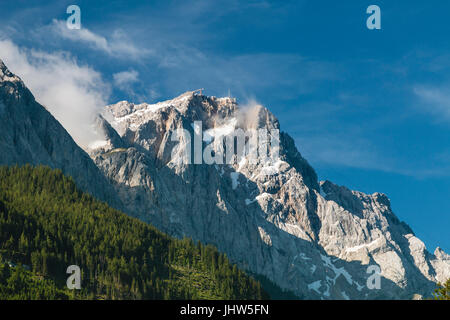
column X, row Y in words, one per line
column 317, row 239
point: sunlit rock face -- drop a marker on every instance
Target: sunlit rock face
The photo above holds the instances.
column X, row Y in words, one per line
column 273, row 218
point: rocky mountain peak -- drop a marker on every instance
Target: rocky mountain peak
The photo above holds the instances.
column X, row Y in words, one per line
column 12, row 87
column 440, row 254
column 276, row 219
column 3, row 70
column 191, row 106
column 7, row 76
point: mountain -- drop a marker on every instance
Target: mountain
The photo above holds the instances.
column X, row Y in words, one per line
column 273, row 218
column 30, row 134
column 48, row 224
column 314, row 238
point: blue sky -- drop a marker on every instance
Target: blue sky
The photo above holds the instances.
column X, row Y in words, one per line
column 369, row 109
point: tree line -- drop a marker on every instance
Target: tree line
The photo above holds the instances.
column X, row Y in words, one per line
column 47, row 224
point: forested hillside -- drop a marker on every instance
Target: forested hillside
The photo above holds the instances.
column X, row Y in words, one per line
column 47, row 224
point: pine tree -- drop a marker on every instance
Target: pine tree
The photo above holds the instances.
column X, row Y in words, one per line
column 442, row 292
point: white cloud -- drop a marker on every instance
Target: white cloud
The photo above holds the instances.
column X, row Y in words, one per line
column 72, row 93
column 129, row 83
column 125, row 77
column 119, row 45
column 437, row 101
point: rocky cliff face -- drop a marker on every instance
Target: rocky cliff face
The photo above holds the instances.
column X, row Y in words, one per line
column 317, row 239
column 314, row 238
column 30, row 134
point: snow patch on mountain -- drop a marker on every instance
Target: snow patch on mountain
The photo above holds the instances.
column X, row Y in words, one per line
column 365, row 245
